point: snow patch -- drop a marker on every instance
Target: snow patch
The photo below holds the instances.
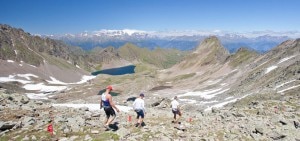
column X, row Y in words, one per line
column 223, row 84
column 55, row 81
column 78, row 66
column 37, row 96
column 224, row 103
column 85, row 78
column 32, row 66
column 43, row 88
column 278, row 86
column 207, row 94
column 190, row 101
column 27, row 76
column 92, row 107
column 208, row 102
column 285, row 59
column 288, row 89
column 10, row 61
column 8, row 79
column 212, row 82
column 229, row 97
column 269, row 69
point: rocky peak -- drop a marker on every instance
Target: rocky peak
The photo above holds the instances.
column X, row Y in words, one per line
column 212, row 49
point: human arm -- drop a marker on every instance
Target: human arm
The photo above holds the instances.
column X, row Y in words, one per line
column 100, row 104
column 112, row 103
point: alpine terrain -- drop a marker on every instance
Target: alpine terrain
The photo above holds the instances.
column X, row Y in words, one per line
column 48, row 91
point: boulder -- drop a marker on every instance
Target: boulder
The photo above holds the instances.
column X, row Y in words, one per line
column 157, row 103
column 27, row 121
column 6, row 125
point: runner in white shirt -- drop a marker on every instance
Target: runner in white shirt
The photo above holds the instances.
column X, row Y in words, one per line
column 139, row 108
column 176, row 109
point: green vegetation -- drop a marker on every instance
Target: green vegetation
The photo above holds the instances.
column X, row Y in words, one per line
column 242, row 56
column 107, row 136
column 162, row 58
column 184, row 76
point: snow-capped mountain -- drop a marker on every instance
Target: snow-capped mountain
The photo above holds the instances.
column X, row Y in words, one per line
column 182, row 40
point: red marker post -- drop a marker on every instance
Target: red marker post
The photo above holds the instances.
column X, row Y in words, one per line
column 129, row 118
column 50, row 129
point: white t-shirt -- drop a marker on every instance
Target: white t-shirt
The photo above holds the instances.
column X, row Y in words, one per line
column 174, row 104
column 139, row 104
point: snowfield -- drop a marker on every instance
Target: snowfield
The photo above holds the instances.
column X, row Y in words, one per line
column 269, row 69
column 44, row 88
column 207, row 94
column 41, row 87
column 93, row 107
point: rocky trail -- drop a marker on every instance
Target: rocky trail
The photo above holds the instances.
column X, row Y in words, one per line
column 272, row 119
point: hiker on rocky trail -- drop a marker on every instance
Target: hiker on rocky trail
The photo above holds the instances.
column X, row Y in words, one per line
column 109, row 106
column 175, row 109
column 139, row 108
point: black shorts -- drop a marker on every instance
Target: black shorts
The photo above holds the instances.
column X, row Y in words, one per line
column 109, row 111
column 140, row 113
column 176, row 112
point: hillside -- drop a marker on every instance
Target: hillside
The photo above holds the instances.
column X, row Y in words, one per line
column 161, row 58
column 37, row 59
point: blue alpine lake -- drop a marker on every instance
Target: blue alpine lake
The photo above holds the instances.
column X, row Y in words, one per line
column 116, row 71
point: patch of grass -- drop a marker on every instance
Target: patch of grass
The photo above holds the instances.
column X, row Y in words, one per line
column 242, row 56
column 107, row 136
column 98, row 67
column 184, row 76
column 220, row 135
column 58, row 62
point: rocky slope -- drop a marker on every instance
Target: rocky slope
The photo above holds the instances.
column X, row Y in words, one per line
column 23, row 53
column 248, row 119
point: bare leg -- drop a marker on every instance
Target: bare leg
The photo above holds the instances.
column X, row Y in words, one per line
column 141, row 121
column 110, row 120
column 106, row 119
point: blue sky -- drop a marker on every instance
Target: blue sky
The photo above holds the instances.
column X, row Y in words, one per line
column 74, row 16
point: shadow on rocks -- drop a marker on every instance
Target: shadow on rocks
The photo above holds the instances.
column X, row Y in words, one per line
column 114, row 126
column 131, row 99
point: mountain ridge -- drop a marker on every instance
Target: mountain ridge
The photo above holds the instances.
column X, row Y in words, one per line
column 185, row 41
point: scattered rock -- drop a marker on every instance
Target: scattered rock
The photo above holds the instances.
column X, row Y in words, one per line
column 88, row 138
column 296, row 124
column 276, row 136
column 94, row 131
column 259, row 130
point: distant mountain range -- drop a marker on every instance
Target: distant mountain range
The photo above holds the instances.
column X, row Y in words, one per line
column 188, row 40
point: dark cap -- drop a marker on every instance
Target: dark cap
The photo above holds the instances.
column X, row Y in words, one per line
column 142, row 95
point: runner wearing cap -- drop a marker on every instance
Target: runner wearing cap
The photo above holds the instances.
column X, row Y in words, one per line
column 108, row 105
column 139, row 108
